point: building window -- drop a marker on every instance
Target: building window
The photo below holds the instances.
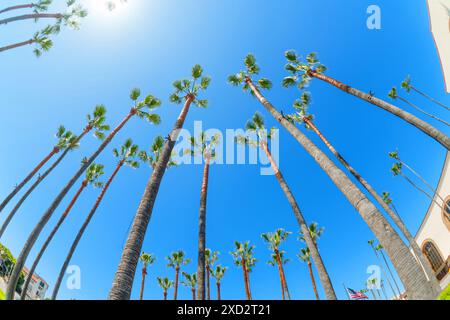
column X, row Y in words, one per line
column 446, row 213
column 438, row 264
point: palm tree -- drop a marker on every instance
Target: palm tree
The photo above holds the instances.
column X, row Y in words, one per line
column 126, row 156
column 379, row 248
column 187, row 90
column 65, row 138
column 93, row 174
column 243, row 256
column 409, row 271
column 176, row 260
column 396, row 293
column 210, row 259
column 305, row 256
column 393, row 94
column 257, row 125
column 313, row 69
column 95, row 122
column 204, row 146
column 139, row 109
column 407, row 86
column 165, row 284
column 41, row 38
column 40, row 6
column 146, row 259
column 218, row 274
column 274, row 240
column 190, row 281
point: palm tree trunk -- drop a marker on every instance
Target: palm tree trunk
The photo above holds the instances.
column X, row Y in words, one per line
column 383, row 271
column 423, row 111
column 21, row 6
column 218, row 291
column 123, row 280
column 193, row 293
column 201, row 268
column 394, row 216
column 390, row 272
column 50, row 238
column 373, row 294
column 208, row 284
column 17, row 45
column 165, row 295
column 430, row 98
column 281, row 282
column 406, row 116
column 313, row 281
column 420, row 189
column 141, row 294
column 282, row 276
column 36, row 183
column 323, row 273
column 175, row 289
column 48, row 214
column 28, row 178
column 410, row 273
column 32, row 16
column 83, row 229
column 246, row 282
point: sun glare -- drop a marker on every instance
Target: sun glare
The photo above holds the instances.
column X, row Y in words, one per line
column 107, row 9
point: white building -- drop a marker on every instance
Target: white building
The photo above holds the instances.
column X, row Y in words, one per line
column 434, row 233
column 37, row 287
column 440, row 27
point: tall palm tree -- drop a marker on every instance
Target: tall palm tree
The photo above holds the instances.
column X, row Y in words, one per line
column 176, row 260
column 243, row 256
column 95, row 122
column 393, row 94
column 65, row 138
column 126, row 156
column 41, row 38
column 396, row 293
column 410, row 272
column 187, row 90
column 205, row 147
column 93, row 174
column 218, row 273
column 211, row 258
column 305, row 256
column 40, row 6
column 146, row 259
column 379, row 248
column 407, row 86
column 274, row 240
column 144, row 109
column 313, row 69
column 165, row 284
column 190, row 280
column 257, row 125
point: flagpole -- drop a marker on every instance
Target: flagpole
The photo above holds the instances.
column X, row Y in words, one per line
column 346, row 291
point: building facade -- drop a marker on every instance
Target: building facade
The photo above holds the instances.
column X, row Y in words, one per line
column 37, row 287
column 433, row 236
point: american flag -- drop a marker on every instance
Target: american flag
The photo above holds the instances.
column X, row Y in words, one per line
column 354, row 295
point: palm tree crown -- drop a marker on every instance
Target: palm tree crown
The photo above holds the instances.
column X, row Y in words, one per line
column 191, row 87
column 218, row 273
column 153, row 157
column 244, row 254
column 127, row 154
column 147, row 259
column 190, row 280
column 165, row 283
column 274, row 239
column 177, row 259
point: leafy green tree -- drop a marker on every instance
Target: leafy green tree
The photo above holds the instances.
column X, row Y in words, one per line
column 274, row 240
column 417, row 286
column 165, row 284
column 190, row 280
column 176, row 260
column 146, row 260
column 243, row 256
column 186, row 90
column 143, row 109
column 218, row 273
column 304, row 71
column 96, row 123
column 93, row 174
column 65, row 140
column 393, row 94
column 126, row 156
column 408, row 87
column 41, row 39
column 256, row 125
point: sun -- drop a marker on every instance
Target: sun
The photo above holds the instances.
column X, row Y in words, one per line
column 106, row 8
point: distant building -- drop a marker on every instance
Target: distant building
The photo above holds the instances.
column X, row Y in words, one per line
column 434, row 233
column 37, row 287
column 440, row 27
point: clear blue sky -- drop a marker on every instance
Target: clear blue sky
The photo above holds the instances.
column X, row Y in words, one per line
column 150, row 43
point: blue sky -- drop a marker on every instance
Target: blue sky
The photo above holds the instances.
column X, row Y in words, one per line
column 149, row 44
